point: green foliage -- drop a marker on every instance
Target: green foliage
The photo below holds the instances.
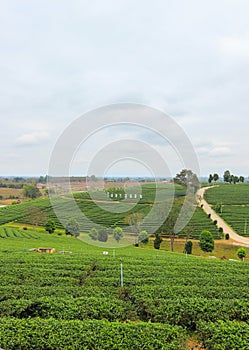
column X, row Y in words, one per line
column 143, row 237
column 51, row 301
column 72, row 228
column 158, row 240
column 93, row 233
column 103, row 235
column 222, row 335
column 241, row 253
column 187, row 178
column 206, row 241
column 31, row 191
column 210, row 179
column 216, row 177
column 118, row 234
column 188, row 247
column 50, row 226
column 100, row 335
column 218, row 208
column 227, row 176
column 227, row 236
column 235, row 204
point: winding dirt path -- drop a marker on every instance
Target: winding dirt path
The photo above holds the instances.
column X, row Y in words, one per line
column 220, row 222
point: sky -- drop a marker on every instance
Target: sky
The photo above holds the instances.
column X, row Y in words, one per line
column 60, row 59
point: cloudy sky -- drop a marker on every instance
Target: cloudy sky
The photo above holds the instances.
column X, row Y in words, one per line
column 60, row 59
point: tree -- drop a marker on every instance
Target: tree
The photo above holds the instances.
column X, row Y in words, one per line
column 158, row 240
column 241, row 179
column 215, row 177
column 235, row 179
column 31, row 191
column 227, row 176
column 210, row 179
column 206, row 242
column 72, row 228
column 118, row 234
column 143, row 237
column 103, row 235
column 187, row 178
column 50, row 226
column 241, row 252
column 188, row 247
column 93, row 233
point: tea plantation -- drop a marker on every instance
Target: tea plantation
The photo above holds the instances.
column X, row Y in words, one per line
column 106, row 215
column 75, row 301
column 235, row 205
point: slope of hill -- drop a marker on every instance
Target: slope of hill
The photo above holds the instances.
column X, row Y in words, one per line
column 75, row 301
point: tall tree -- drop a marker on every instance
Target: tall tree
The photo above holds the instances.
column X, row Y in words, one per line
column 215, row 177
column 187, row 179
column 241, row 179
column 210, row 179
column 227, row 176
column 158, row 240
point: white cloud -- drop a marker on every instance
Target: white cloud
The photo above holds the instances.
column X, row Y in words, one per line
column 33, row 138
column 235, row 46
column 188, row 58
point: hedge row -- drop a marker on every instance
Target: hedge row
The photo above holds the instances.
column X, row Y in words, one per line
column 51, row 334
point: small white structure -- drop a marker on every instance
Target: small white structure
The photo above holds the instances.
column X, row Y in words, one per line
column 105, row 253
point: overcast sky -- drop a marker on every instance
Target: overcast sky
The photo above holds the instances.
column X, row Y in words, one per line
column 60, row 59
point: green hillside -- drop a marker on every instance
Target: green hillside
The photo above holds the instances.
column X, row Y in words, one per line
column 75, row 301
column 235, row 205
column 110, row 213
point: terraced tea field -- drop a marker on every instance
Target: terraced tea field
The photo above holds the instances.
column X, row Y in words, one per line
column 235, row 205
column 106, row 215
column 75, row 301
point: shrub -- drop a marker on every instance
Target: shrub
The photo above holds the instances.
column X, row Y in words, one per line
column 93, row 233
column 188, row 247
column 206, row 241
column 157, row 241
column 103, row 235
column 227, row 236
column 241, row 252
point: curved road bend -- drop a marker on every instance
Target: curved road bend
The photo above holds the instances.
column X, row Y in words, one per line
column 214, row 216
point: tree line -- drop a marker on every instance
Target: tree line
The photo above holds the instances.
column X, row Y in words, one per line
column 227, row 177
